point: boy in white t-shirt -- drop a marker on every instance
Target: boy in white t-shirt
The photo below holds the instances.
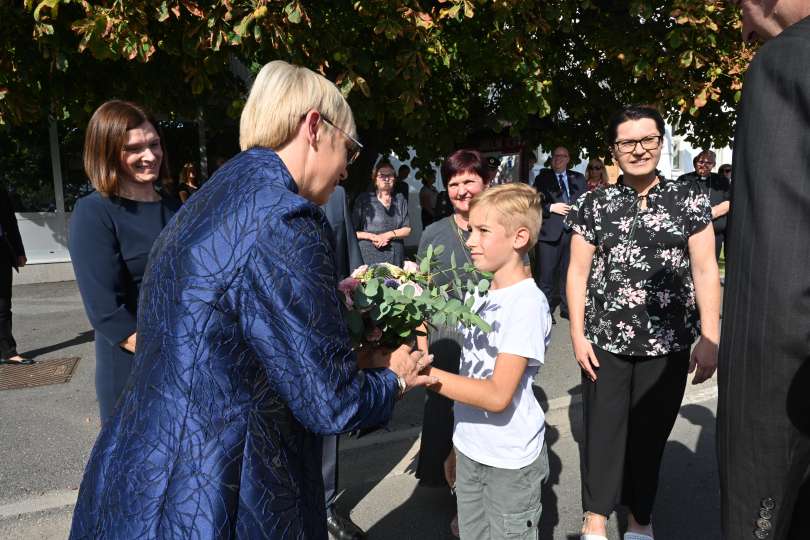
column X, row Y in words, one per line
column 499, row 426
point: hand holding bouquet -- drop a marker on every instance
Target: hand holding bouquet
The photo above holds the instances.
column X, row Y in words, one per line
column 388, row 304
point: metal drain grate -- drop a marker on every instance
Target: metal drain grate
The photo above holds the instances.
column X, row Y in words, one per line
column 43, row 373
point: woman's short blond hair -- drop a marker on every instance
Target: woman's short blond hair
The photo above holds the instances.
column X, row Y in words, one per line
column 281, row 96
column 517, row 205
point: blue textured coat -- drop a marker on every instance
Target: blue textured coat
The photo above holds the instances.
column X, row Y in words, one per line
column 243, row 361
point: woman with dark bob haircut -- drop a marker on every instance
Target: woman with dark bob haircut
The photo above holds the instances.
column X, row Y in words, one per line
column 465, row 175
column 643, row 285
column 112, row 231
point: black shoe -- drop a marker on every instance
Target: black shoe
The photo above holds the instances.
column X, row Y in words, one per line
column 553, row 320
column 564, row 315
column 342, row 528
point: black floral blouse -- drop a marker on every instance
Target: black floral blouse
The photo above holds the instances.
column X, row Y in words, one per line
column 640, row 299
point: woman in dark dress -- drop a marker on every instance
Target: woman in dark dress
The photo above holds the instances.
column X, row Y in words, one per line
column 465, row 175
column 643, row 285
column 112, row 231
column 380, row 218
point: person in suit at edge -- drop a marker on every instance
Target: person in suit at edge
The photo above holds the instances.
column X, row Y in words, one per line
column 347, row 258
column 717, row 188
column 560, row 186
column 763, row 413
column 12, row 256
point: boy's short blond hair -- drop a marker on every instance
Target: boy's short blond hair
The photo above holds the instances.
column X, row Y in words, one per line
column 280, row 97
column 517, row 205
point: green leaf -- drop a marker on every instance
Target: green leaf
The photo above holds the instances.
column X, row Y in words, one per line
column 452, row 259
column 454, row 305
column 483, row 286
column 439, row 319
column 372, row 287
column 439, row 250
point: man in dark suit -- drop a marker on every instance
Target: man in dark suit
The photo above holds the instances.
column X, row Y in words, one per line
column 12, row 256
column 347, row 258
column 559, row 187
column 763, row 415
column 717, row 188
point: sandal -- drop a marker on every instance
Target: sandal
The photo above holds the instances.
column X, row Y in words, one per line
column 591, row 536
column 21, row 362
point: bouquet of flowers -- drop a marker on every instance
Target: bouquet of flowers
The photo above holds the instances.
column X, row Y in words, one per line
column 387, row 304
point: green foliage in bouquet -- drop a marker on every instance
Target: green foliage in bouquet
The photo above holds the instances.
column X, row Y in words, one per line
column 387, row 304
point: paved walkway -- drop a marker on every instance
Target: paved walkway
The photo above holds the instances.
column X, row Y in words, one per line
column 49, row 431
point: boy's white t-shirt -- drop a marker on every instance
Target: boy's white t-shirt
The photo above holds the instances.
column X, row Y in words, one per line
column 521, row 325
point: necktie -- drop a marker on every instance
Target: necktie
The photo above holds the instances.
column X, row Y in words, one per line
column 563, row 188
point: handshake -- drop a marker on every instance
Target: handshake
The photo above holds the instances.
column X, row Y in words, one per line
column 412, row 367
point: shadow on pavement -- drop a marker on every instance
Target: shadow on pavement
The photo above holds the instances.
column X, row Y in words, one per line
column 550, row 518
column 84, row 337
column 688, row 503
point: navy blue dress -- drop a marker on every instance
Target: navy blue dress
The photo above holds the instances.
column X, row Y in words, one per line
column 110, row 239
column 243, row 362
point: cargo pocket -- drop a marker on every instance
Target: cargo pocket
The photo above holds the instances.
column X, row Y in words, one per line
column 522, row 525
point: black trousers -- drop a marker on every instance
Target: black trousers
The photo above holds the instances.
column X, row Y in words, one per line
column 719, row 239
column 552, row 263
column 628, row 415
column 8, row 347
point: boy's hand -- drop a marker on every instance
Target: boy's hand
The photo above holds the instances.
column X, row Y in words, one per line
column 583, row 352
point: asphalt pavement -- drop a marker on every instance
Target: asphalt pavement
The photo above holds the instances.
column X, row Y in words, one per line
column 46, row 435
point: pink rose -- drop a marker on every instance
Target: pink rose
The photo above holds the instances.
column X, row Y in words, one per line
column 348, row 285
column 359, row 271
column 411, row 267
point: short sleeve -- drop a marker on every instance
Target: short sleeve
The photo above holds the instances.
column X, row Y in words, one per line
column 581, row 217
column 527, row 328
column 698, row 211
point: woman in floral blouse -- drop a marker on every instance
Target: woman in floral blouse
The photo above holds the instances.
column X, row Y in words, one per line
column 643, row 284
